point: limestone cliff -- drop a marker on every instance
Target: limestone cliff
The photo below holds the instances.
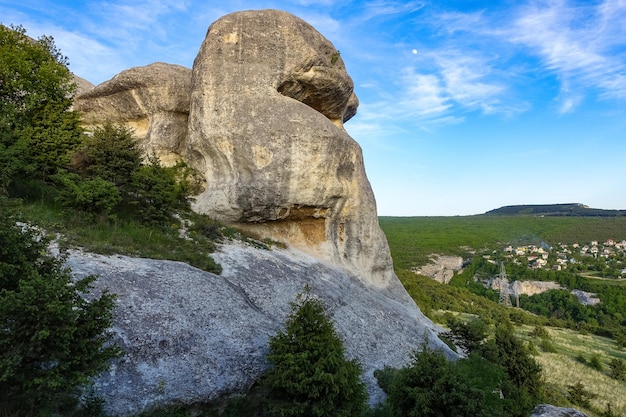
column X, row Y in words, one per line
column 152, row 100
column 268, row 101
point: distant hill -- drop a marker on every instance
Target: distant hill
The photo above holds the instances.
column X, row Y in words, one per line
column 569, row 209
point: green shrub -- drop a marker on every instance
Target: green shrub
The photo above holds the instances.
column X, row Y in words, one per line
column 596, row 363
column 469, row 334
column 110, row 153
column 540, row 332
column 309, row 375
column 92, row 196
column 52, row 339
column 618, row 369
column 579, row 395
column 547, row 346
column 433, row 386
column 155, row 192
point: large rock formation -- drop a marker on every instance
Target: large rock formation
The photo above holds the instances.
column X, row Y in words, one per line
column 191, row 336
column 269, row 98
column 261, row 118
column 152, row 100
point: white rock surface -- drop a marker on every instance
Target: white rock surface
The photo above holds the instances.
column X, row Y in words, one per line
column 442, row 268
column 547, row 410
column 189, row 335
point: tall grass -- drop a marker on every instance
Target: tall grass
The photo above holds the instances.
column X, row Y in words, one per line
column 125, row 236
column 563, row 367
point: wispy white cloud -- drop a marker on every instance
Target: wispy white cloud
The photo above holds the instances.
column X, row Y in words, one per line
column 451, row 22
column 578, row 44
column 386, row 8
column 469, row 81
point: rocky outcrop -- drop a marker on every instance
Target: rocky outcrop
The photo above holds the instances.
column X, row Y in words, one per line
column 532, row 287
column 586, row 298
column 189, row 335
column 152, row 100
column 442, row 268
column 268, row 101
column 261, row 119
column 546, row 410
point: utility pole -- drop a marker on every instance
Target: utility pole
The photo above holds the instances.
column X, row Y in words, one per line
column 503, row 281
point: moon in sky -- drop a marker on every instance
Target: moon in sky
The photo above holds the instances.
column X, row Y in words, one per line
column 414, row 51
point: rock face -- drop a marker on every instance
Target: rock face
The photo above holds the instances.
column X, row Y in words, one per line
column 82, row 85
column 152, row 100
column 261, row 119
column 268, row 101
column 442, row 268
column 546, row 410
column 533, row 287
column 189, row 335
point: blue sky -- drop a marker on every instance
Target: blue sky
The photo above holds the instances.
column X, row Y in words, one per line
column 465, row 105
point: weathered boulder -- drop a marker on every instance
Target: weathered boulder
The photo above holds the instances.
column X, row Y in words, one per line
column 268, row 101
column 190, row 336
column 152, row 100
column 547, row 410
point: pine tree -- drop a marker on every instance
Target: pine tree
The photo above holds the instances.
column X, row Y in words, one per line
column 309, row 375
column 52, row 339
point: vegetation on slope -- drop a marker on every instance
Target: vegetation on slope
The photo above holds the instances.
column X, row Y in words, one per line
column 591, row 377
column 53, row 337
column 413, row 239
column 571, row 209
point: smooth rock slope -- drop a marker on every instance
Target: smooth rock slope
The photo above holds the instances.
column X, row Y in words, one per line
column 189, row 335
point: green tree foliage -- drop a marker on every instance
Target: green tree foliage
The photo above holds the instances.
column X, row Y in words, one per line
column 156, row 190
column 96, row 197
column 468, row 335
column 433, row 386
column 309, row 375
column 37, row 130
column 110, row 153
column 110, row 158
column 618, row 369
column 52, row 338
column 579, row 395
column 525, row 387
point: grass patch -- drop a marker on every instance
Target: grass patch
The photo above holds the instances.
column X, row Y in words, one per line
column 126, row 236
column 573, row 362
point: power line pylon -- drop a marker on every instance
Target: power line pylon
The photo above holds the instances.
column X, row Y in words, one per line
column 503, row 282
